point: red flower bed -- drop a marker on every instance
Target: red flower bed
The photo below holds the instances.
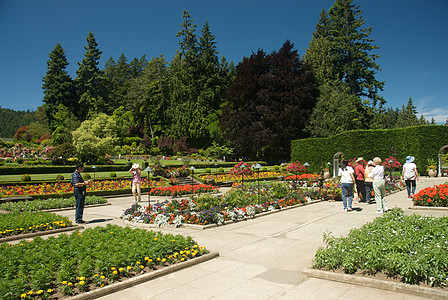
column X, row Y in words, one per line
column 178, row 190
column 432, row 196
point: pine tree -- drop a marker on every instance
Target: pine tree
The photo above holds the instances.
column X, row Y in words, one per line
column 91, row 83
column 57, row 85
column 407, row 115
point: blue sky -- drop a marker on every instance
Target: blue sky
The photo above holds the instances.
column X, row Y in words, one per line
column 412, row 36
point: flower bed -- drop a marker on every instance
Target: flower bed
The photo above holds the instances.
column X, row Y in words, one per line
column 237, row 177
column 432, row 196
column 410, row 248
column 80, row 262
column 179, row 190
column 203, row 210
column 66, row 187
column 19, row 223
column 52, row 203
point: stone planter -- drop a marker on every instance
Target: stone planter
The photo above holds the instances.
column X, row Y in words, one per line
column 326, row 174
column 432, row 173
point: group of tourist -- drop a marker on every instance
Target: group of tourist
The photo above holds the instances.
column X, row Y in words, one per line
column 368, row 176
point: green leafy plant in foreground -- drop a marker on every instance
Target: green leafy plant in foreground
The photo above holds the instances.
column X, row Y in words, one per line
column 80, row 262
column 410, row 248
column 24, row 222
column 52, row 203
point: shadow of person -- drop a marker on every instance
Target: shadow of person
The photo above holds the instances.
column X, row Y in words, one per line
column 357, row 208
column 98, row 221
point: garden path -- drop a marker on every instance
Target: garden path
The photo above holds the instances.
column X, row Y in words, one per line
column 261, row 258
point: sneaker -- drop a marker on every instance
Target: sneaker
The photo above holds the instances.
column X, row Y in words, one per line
column 344, row 210
column 80, row 222
column 385, row 209
column 349, row 209
column 380, row 211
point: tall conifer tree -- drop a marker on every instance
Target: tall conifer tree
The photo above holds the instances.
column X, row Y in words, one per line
column 91, row 82
column 57, row 85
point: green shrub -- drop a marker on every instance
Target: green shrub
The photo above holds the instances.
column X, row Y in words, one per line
column 208, row 170
column 221, row 170
column 60, row 177
column 26, row 177
column 2, row 162
column 276, row 168
column 86, row 176
column 113, row 174
column 19, row 160
column 265, row 168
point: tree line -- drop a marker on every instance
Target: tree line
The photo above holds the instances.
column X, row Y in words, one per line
column 198, row 100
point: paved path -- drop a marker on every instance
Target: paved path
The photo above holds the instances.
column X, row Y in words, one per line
column 261, row 258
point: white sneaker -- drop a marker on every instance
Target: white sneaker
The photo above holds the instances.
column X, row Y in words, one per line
column 380, row 211
column 385, row 209
column 344, row 210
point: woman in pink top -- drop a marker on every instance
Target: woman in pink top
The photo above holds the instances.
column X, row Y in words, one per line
column 136, row 182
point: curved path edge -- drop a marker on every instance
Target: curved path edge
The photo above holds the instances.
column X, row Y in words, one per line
column 378, row 284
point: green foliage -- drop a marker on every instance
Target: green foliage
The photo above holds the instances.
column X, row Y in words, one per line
column 11, row 120
column 95, row 138
column 113, row 175
column 114, row 252
column 60, row 177
column 61, row 153
column 86, row 176
column 412, row 248
column 51, row 203
column 421, row 142
column 25, row 177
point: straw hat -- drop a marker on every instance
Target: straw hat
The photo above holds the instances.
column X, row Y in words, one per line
column 360, row 159
column 135, row 166
column 377, row 160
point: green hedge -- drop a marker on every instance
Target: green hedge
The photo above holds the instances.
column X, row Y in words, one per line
column 17, row 170
column 422, row 142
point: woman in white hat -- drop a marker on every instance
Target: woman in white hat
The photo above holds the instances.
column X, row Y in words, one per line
column 136, row 182
column 409, row 175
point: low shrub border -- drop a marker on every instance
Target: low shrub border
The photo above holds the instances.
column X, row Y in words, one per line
column 410, row 248
column 81, row 262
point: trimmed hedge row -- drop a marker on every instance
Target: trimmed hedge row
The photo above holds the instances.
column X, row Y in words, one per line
column 16, row 170
column 422, row 142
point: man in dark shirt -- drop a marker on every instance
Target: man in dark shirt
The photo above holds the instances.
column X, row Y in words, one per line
column 79, row 191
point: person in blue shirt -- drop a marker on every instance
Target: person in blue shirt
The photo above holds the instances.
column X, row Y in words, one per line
column 79, row 191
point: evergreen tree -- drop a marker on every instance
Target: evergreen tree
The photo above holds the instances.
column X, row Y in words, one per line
column 91, row 82
column 57, row 85
column 407, row 115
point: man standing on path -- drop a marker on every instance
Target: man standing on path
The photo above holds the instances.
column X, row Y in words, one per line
column 79, row 191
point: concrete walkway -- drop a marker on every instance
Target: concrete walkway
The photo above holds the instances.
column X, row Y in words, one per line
column 261, row 258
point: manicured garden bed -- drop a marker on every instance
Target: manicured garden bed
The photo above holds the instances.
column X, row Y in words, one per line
column 79, row 262
column 436, row 196
column 24, row 222
column 52, row 203
column 236, row 205
column 411, row 249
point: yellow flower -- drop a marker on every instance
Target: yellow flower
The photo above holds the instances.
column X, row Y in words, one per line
column 102, row 277
column 69, row 284
column 96, row 275
column 64, row 282
column 82, row 278
column 30, row 292
column 163, row 260
column 146, row 258
column 49, row 291
column 155, row 239
column 142, row 267
column 121, row 269
column 137, row 262
column 113, row 268
column 39, row 292
column 182, row 259
column 115, row 272
column 23, row 296
column 82, row 282
column 128, row 268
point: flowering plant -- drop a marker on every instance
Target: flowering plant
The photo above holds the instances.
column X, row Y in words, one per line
column 241, row 168
column 296, row 167
column 391, row 163
column 432, row 196
column 432, row 165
